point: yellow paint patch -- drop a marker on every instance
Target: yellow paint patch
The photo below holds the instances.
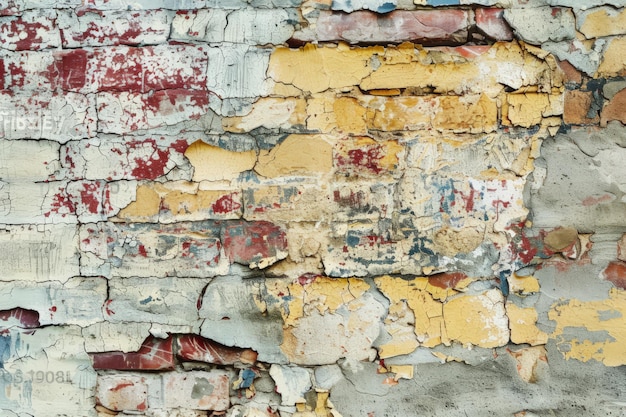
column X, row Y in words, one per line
column 523, row 325
column 530, row 109
column 317, row 68
column 527, row 361
column 478, row 320
column 296, row 155
column 604, row 323
column 145, row 208
column 523, row 285
column 212, row 163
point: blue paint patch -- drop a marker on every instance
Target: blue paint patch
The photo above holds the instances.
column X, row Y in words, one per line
column 504, row 283
column 353, row 239
column 146, row 301
column 247, row 378
column 386, row 8
column 5, row 349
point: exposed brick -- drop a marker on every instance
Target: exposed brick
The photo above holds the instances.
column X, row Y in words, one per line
column 576, row 108
column 614, row 109
column 32, row 30
column 154, row 355
column 113, row 28
column 615, row 272
column 492, row 23
column 197, row 348
column 199, row 390
column 421, row 26
column 20, row 317
column 122, row 393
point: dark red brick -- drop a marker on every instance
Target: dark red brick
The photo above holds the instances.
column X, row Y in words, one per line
column 196, row 348
column 154, row 355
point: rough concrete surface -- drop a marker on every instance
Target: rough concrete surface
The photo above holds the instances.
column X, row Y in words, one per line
column 312, row 208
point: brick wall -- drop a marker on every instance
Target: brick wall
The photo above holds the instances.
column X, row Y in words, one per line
column 312, row 208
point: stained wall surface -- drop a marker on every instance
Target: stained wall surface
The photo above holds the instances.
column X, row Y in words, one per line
column 312, row 208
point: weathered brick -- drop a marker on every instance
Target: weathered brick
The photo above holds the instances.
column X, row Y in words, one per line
column 115, row 158
column 154, row 355
column 20, row 317
column 199, row 349
column 577, row 105
column 122, row 392
column 614, row 109
column 46, row 371
column 542, row 24
column 531, row 109
column 363, row 156
column 152, row 250
column 257, row 244
column 615, row 272
column 175, row 202
column 420, row 26
column 128, row 112
column 130, row 69
column 104, row 28
column 39, row 253
column 259, row 26
column 271, row 113
column 151, row 300
column 77, row 301
column 143, row 5
column 492, row 23
column 106, row 336
column 212, row 163
column 306, row 330
column 199, row 390
column 237, row 71
column 199, row 25
column 297, row 155
column 28, row 160
column 232, row 306
column 315, row 68
column 285, row 203
column 53, row 116
column 32, row 30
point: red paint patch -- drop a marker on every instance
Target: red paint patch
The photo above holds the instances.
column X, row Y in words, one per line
column 72, row 69
column 154, row 355
column 149, row 168
column 26, row 319
column 198, row 349
column 307, row 278
column 592, row 200
column 226, row 204
column 247, row 243
column 446, row 280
